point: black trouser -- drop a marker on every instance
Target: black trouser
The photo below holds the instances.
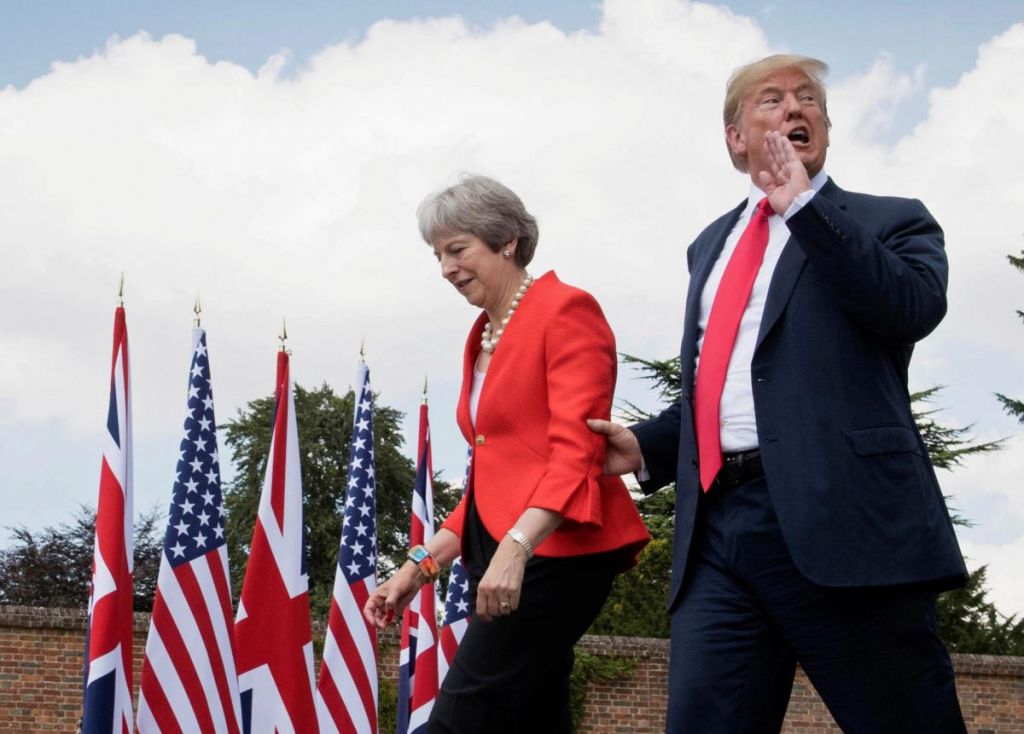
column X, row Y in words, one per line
column 748, row 616
column 512, row 674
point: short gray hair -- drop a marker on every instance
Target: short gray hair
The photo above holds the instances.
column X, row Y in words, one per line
column 743, row 80
column 484, row 208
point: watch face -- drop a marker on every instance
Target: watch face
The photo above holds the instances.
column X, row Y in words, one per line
column 418, row 553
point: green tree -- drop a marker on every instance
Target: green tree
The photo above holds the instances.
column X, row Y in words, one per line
column 324, row 421
column 967, row 621
column 53, row 567
column 1011, row 405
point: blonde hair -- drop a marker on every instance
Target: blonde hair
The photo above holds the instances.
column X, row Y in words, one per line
column 743, row 80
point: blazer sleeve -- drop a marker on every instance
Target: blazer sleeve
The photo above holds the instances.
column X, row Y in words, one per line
column 890, row 278
column 580, row 376
column 457, row 518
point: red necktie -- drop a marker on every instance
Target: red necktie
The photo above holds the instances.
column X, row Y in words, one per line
column 720, row 336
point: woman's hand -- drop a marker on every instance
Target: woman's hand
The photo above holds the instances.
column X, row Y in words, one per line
column 497, row 595
column 391, row 598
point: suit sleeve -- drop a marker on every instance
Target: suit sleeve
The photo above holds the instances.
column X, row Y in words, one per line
column 659, row 444
column 890, row 280
column 580, row 375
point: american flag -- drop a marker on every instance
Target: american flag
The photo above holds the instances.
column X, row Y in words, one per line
column 456, row 603
column 347, row 690
column 189, row 682
column 417, row 673
column 273, row 634
column 107, row 697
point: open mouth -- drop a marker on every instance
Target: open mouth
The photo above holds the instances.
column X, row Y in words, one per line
column 799, row 136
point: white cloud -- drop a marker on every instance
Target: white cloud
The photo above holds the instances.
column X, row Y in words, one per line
column 295, row 194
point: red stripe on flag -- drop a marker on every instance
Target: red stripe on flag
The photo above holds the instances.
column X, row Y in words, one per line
column 279, row 440
column 201, row 614
column 448, row 643
column 112, row 613
column 156, row 701
column 334, row 704
column 163, row 620
column 350, row 653
column 223, row 592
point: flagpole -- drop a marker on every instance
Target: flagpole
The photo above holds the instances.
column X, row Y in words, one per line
column 424, row 389
column 120, row 292
column 198, row 311
column 283, row 338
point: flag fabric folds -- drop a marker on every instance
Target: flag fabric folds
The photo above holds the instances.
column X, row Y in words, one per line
column 347, row 688
column 189, row 682
column 107, row 697
column 456, row 604
column 418, row 660
column 273, row 633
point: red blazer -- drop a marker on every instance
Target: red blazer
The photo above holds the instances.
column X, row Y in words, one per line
column 554, row 368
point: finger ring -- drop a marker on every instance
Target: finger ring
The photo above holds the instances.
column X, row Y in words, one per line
column 505, row 605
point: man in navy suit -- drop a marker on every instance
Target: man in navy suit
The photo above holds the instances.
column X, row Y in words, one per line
column 809, row 525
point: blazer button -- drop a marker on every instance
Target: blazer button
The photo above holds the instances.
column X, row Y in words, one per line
column 480, row 440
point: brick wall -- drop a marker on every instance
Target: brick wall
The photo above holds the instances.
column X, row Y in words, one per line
column 41, row 668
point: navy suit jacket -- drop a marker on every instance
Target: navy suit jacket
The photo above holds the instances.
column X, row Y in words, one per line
column 861, row 279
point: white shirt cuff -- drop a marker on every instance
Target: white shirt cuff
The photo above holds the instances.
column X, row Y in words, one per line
column 642, row 475
column 798, row 203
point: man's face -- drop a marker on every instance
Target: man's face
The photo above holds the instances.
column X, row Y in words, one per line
column 786, row 101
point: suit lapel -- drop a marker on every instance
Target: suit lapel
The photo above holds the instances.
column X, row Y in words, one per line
column 787, row 272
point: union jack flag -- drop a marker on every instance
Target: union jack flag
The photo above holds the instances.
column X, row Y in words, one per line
column 189, row 682
column 107, row 680
column 456, row 603
column 418, row 660
column 273, row 633
column 347, row 689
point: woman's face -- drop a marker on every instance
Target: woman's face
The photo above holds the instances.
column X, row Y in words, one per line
column 477, row 272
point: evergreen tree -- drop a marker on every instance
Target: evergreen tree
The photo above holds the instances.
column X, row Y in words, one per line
column 324, row 421
column 1011, row 405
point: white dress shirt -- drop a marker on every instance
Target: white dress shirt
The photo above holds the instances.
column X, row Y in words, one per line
column 736, row 410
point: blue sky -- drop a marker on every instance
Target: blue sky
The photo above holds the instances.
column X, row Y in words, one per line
column 943, row 34
column 151, row 154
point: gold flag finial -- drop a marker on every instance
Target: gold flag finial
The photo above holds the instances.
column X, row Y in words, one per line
column 424, row 389
column 198, row 311
column 120, row 292
column 284, row 335
column 362, row 351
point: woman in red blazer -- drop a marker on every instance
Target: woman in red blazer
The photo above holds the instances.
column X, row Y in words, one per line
column 540, row 529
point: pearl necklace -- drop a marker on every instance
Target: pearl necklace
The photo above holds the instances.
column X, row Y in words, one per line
column 488, row 342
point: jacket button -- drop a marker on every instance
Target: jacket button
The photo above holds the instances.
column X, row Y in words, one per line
column 694, row 462
column 480, row 440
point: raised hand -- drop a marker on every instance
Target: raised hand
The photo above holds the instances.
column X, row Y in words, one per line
column 623, row 455
column 787, row 176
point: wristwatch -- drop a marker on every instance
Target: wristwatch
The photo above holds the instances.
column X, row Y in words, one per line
column 425, row 562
